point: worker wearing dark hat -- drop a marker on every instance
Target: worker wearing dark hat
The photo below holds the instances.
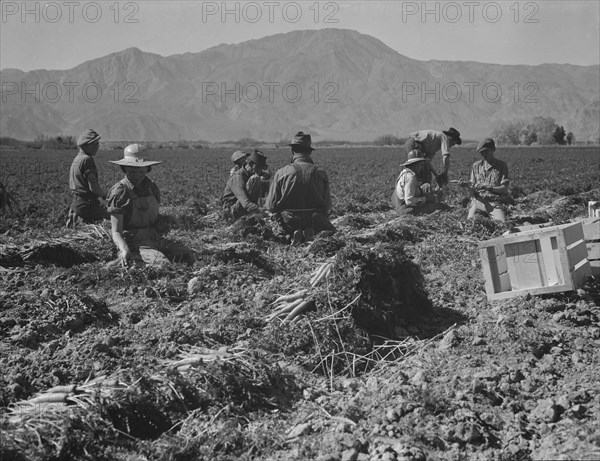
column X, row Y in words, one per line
column 299, row 195
column 246, row 187
column 431, row 142
column 488, row 184
column 83, row 182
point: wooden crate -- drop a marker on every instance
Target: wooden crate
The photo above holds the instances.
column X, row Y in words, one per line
column 591, row 234
column 535, row 261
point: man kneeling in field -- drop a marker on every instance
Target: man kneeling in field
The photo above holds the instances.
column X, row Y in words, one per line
column 409, row 198
column 246, row 187
column 299, row 194
column 488, row 184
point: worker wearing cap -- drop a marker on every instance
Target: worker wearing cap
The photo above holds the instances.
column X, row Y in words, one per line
column 409, row 197
column 238, row 158
column 83, row 181
column 431, row 142
column 488, row 183
column 246, row 188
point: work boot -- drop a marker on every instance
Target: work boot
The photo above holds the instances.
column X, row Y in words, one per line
column 309, row 234
column 297, row 238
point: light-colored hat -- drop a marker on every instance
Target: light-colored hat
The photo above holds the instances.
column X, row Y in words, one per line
column 238, row 155
column 486, row 145
column 132, row 157
column 414, row 156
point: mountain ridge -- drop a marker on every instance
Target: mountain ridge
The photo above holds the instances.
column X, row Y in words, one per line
column 335, row 83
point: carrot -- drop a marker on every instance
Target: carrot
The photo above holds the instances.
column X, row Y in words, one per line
column 318, row 272
column 48, row 398
column 291, row 297
column 322, row 275
column 288, row 307
column 297, row 311
column 62, row 389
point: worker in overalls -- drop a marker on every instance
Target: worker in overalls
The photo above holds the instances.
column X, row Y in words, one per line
column 133, row 205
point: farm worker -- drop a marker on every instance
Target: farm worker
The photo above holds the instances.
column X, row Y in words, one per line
column 239, row 160
column 431, row 142
column 488, row 184
column 299, row 194
column 409, row 198
column 246, row 187
column 133, row 205
column 83, row 182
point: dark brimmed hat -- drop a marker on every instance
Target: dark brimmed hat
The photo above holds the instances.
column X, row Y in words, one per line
column 258, row 158
column 486, row 145
column 301, row 139
column 132, row 157
column 238, row 155
column 87, row 137
column 453, row 133
column 414, row 156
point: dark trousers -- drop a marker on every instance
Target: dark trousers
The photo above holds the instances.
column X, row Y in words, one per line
column 404, row 210
column 294, row 220
column 88, row 208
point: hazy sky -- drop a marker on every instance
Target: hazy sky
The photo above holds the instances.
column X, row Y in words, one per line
column 63, row 34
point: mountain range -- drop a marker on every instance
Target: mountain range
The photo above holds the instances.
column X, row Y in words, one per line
column 334, row 83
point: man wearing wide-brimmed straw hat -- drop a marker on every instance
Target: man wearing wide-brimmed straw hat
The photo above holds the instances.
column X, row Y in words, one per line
column 299, row 194
column 488, row 184
column 409, row 197
column 83, row 182
column 431, row 142
column 133, row 205
column 246, row 187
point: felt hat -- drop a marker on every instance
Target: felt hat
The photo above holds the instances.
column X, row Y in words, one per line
column 301, row 139
column 132, row 156
column 238, row 155
column 486, row 145
column 453, row 133
column 258, row 158
column 414, row 156
column 87, row 137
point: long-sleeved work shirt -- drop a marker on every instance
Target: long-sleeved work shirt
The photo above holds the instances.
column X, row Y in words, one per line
column 235, row 191
column 407, row 188
column 301, row 185
column 432, row 142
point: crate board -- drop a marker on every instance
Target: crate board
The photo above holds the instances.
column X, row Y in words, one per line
column 591, row 233
column 538, row 260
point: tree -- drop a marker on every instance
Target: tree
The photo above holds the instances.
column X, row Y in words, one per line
column 507, row 133
column 559, row 135
column 570, row 138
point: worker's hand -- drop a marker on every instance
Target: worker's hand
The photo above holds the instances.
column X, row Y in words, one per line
column 482, row 188
column 442, row 179
column 426, row 188
column 464, row 183
column 266, row 213
column 124, row 257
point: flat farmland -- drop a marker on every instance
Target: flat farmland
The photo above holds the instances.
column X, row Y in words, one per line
column 400, row 356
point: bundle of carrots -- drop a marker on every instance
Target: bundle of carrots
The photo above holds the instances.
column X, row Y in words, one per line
column 289, row 308
column 62, row 397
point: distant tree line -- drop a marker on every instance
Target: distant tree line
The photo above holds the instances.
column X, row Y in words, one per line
column 389, row 140
column 540, row 130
